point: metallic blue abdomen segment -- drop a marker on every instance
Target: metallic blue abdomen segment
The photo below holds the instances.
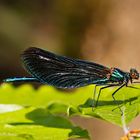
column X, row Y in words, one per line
column 18, row 79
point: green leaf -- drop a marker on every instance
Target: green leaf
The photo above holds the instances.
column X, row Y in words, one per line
column 77, row 102
column 37, row 124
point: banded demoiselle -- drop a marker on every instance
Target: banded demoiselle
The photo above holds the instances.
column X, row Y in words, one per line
column 66, row 73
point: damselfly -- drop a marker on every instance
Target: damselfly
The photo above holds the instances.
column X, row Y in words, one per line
column 67, row 73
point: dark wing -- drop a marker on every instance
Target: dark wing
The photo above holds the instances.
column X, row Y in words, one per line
column 60, row 71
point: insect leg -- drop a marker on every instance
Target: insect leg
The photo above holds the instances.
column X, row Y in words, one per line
column 136, row 82
column 115, row 99
column 132, row 87
column 94, row 95
column 111, row 85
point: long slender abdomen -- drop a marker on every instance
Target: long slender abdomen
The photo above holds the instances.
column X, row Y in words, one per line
column 21, row 79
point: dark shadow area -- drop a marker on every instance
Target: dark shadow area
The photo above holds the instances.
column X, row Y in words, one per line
column 43, row 117
column 89, row 102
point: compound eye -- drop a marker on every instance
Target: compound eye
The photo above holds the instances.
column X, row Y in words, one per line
column 134, row 76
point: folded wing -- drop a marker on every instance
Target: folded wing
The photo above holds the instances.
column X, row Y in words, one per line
column 60, row 71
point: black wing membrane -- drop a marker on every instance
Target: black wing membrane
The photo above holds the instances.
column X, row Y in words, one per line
column 60, row 71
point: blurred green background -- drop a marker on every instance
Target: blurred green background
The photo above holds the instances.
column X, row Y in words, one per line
column 105, row 32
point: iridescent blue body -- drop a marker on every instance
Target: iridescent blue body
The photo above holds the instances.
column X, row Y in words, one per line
column 18, row 79
column 64, row 72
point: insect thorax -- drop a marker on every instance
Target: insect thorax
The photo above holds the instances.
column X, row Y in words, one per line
column 117, row 75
